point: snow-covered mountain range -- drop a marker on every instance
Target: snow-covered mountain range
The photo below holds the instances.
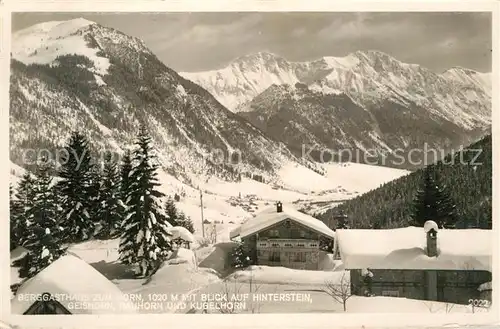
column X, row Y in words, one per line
column 365, row 100
column 80, row 75
column 362, row 75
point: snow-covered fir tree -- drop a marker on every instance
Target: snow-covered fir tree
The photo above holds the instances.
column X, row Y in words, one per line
column 185, row 221
column 21, row 203
column 15, row 213
column 145, row 240
column 176, row 217
column 42, row 231
column 342, row 221
column 111, row 210
column 94, row 191
column 240, row 256
column 171, row 211
column 433, row 202
column 76, row 189
column 125, row 172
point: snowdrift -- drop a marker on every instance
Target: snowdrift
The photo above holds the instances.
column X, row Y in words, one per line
column 218, row 257
column 71, row 280
column 179, row 232
column 287, row 276
column 182, row 256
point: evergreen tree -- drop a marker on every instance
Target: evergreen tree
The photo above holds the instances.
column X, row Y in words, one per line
column 15, row 213
column 94, row 191
column 23, row 202
column 466, row 174
column 489, row 213
column 433, row 202
column 145, row 239
column 77, row 189
column 447, row 209
column 185, row 221
column 125, row 180
column 342, row 221
column 171, row 212
column 240, row 256
column 43, row 232
column 110, row 210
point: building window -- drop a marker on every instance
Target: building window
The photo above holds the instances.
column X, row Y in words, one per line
column 300, row 257
column 275, row 245
column 263, row 244
column 313, row 245
column 274, row 233
column 288, row 244
column 390, row 293
column 48, row 305
column 300, row 245
column 274, row 256
column 302, row 233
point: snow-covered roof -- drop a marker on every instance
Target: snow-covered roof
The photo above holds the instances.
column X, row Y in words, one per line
column 485, row 286
column 235, row 233
column 430, row 225
column 179, row 232
column 270, row 216
column 18, row 253
column 405, row 248
column 71, row 281
column 182, row 256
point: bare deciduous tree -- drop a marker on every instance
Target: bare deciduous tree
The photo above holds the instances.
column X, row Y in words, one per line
column 340, row 291
column 232, row 288
column 254, row 288
column 211, row 233
column 228, row 291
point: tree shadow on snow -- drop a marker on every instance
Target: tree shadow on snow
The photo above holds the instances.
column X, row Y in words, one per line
column 114, row 270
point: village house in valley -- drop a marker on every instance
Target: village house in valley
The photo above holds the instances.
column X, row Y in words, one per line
column 419, row 263
column 283, row 236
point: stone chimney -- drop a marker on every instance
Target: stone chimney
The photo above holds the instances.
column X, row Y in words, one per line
column 279, row 207
column 431, row 229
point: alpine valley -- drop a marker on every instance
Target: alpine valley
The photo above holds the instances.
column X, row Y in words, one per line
column 257, row 113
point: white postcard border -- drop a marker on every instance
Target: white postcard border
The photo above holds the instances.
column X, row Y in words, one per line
column 315, row 320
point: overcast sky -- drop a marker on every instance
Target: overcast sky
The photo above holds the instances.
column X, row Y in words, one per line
column 204, row 41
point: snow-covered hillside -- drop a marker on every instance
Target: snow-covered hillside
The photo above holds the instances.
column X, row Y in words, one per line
column 470, row 77
column 80, row 75
column 227, row 204
column 43, row 43
column 16, row 173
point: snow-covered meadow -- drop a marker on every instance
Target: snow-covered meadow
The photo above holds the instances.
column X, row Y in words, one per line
column 227, row 204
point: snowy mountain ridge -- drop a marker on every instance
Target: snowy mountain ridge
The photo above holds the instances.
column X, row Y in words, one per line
column 366, row 100
column 366, row 76
column 80, row 75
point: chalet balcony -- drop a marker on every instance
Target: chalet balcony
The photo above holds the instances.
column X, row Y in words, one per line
column 287, row 243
